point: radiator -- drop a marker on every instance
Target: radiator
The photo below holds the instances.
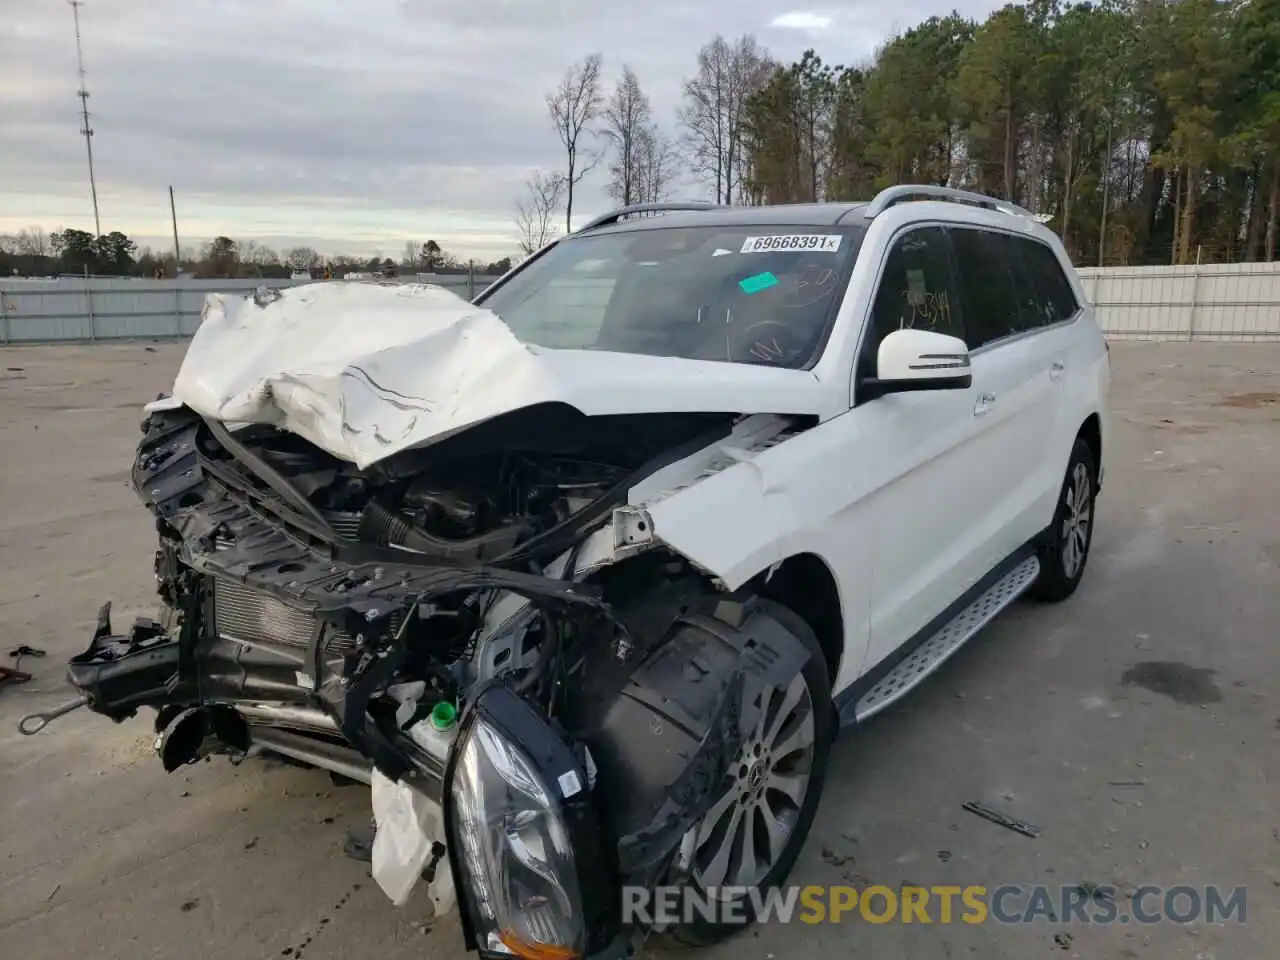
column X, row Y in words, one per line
column 242, row 613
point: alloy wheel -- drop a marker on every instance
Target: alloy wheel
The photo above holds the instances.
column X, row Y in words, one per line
column 746, row 831
column 1078, row 500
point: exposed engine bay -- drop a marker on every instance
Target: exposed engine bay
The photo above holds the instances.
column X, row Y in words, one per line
column 323, row 611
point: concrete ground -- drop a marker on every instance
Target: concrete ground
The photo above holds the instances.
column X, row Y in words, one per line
column 1137, row 725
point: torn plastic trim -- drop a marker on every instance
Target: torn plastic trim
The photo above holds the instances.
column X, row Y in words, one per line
column 149, row 667
column 700, row 687
column 333, row 590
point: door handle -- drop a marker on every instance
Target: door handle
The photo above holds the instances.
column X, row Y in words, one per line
column 984, row 404
column 1057, row 369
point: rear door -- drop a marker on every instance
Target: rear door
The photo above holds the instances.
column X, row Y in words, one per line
column 1067, row 354
column 1011, row 373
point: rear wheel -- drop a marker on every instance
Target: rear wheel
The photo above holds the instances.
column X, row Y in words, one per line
column 1066, row 550
column 750, row 838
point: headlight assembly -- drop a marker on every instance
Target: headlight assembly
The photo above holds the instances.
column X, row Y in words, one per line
column 526, row 841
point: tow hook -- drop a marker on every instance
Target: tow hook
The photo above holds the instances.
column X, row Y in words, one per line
column 33, row 723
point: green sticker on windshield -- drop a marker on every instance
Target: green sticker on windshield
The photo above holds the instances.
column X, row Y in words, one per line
column 758, row 282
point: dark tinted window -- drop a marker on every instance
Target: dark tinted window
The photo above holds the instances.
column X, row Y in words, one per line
column 986, row 286
column 1056, row 296
column 1032, row 311
column 916, row 292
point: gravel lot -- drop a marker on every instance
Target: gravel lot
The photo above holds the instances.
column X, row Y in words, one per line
column 102, row 854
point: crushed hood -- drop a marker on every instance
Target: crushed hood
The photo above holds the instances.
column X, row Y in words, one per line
column 366, row 370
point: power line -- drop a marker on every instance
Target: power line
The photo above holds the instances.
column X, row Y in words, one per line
column 86, row 131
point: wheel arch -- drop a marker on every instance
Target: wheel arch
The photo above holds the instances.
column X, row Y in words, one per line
column 806, row 585
column 1091, row 433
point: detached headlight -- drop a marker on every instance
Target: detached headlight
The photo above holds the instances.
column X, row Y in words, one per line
column 525, row 840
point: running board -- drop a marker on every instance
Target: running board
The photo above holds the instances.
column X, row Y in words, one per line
column 950, row 637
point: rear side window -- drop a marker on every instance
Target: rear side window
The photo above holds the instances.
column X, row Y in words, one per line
column 1056, row 296
column 986, row 286
column 1033, row 309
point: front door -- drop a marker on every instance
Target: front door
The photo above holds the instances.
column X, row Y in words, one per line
column 932, row 472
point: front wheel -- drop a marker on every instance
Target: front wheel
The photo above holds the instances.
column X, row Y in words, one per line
column 751, row 837
column 1066, row 550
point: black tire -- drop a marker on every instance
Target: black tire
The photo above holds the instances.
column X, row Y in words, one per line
column 702, row 932
column 1064, row 554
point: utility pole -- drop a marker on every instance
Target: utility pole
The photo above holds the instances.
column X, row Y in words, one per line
column 177, row 254
column 86, row 131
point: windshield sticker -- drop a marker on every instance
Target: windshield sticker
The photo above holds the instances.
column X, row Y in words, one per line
column 793, row 243
column 758, row 282
column 917, row 289
column 721, row 252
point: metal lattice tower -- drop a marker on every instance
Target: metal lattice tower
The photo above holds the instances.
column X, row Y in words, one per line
column 86, row 131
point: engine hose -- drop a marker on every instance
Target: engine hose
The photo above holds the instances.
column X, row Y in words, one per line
column 386, row 527
column 551, row 636
column 550, row 644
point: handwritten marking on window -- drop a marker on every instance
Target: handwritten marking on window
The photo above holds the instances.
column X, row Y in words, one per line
column 768, row 352
column 928, row 310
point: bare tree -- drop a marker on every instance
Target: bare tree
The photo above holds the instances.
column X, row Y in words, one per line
column 714, row 109
column 574, row 104
column 251, row 251
column 627, row 120
column 655, row 163
column 32, row 242
column 536, row 210
column 412, row 255
column 301, row 258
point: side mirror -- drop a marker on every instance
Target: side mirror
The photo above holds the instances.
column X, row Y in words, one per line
column 919, row 360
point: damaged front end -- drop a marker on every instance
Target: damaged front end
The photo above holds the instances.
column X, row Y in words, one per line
column 342, row 617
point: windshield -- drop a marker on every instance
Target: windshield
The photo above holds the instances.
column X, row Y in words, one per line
column 742, row 294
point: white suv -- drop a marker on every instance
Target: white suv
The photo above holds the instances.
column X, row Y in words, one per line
column 669, row 504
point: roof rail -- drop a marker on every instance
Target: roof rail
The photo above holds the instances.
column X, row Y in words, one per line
column 890, row 196
column 671, row 206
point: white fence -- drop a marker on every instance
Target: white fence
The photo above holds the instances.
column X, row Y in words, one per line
column 125, row 308
column 1233, row 302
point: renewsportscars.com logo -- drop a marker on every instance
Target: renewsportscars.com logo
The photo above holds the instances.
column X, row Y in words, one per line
column 1007, row 904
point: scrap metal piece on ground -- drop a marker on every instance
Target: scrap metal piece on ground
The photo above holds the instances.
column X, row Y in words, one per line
column 13, row 674
column 10, row 675
column 1003, row 820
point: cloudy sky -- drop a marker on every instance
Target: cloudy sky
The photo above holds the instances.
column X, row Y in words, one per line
column 349, row 127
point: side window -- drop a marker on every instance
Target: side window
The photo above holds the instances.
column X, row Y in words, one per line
column 987, row 289
column 1032, row 310
column 1056, row 296
column 917, row 292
